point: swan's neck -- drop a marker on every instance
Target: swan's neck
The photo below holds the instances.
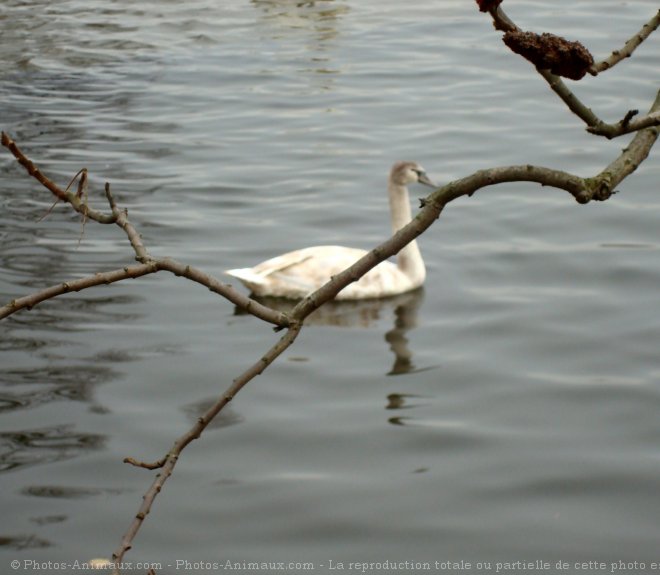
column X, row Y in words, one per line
column 409, row 259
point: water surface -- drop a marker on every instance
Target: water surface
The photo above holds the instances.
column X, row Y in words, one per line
column 506, row 412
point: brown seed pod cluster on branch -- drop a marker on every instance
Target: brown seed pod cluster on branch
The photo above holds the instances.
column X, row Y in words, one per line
column 549, row 52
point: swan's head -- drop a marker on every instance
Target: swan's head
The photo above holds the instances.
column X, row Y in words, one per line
column 404, row 173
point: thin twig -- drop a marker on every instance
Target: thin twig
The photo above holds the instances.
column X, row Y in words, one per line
column 101, row 278
column 501, row 21
column 82, row 194
column 170, row 460
column 595, row 125
column 134, row 237
column 258, row 310
column 57, row 200
column 120, row 217
column 573, row 103
column 628, row 48
column 66, row 196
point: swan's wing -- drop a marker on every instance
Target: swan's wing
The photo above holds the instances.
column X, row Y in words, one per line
column 260, row 273
column 297, row 273
column 246, row 275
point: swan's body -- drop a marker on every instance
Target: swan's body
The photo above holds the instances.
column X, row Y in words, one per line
column 297, row 274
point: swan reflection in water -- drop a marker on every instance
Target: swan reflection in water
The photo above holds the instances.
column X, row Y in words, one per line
column 403, row 309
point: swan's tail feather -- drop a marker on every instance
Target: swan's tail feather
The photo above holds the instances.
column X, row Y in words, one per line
column 246, row 275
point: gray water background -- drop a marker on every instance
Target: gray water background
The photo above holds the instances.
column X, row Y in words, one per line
column 519, row 420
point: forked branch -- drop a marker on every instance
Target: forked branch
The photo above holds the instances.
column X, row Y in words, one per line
column 77, row 202
column 149, row 264
column 600, row 187
column 555, row 57
column 167, row 463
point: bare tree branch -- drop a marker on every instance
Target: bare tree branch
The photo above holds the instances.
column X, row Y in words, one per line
column 603, row 185
column 29, row 301
column 76, row 202
column 500, row 20
column 429, row 213
column 599, row 187
column 168, row 463
column 626, row 125
column 260, row 311
column 270, row 315
column 149, row 264
column 594, row 124
column 121, row 219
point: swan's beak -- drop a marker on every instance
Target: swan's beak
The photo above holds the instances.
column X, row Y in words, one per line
column 424, row 179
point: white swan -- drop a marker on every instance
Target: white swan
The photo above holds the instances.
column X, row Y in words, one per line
column 296, row 274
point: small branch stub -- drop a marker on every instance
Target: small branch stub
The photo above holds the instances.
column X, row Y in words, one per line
column 629, row 116
column 583, row 197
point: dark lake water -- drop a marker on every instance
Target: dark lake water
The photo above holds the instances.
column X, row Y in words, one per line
column 506, row 413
